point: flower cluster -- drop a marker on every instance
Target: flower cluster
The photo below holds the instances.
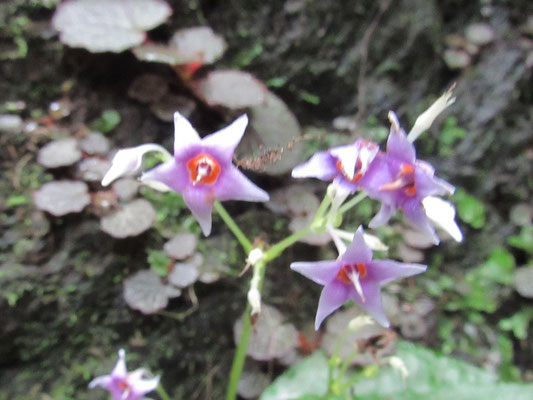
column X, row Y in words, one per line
column 395, row 177
column 399, row 181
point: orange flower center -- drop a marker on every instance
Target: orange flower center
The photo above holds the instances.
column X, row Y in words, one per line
column 122, row 385
column 405, row 180
column 203, row 169
column 344, row 274
column 358, row 175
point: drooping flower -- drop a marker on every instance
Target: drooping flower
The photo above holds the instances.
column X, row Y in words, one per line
column 201, row 169
column 128, row 161
column 124, row 385
column 354, row 276
column 345, row 165
column 400, row 181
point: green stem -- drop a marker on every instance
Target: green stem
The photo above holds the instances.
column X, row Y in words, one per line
column 352, row 202
column 275, row 251
column 160, row 390
column 240, row 353
column 241, row 237
column 326, row 201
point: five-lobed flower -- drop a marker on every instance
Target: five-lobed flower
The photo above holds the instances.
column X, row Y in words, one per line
column 354, row 276
column 124, row 385
column 201, row 169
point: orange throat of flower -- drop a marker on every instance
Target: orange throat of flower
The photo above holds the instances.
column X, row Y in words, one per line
column 345, row 273
column 405, row 181
column 203, row 169
column 357, row 176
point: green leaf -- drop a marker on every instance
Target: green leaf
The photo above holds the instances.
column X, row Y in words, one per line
column 524, row 240
column 17, row 200
column 436, row 377
column 108, row 120
column 499, row 267
column 518, row 323
column 470, row 209
column 306, row 380
column 159, row 262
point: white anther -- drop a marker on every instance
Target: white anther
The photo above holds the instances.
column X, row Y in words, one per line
column 354, row 277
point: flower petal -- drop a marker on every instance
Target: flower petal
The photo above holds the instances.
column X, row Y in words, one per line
column 101, row 381
column 321, row 272
column 397, row 144
column 385, row 213
column 372, row 303
column 184, row 134
column 234, row 185
column 416, row 215
column 128, row 161
column 140, row 386
column 200, row 202
column 226, row 140
column 357, row 251
column 332, row 297
column 385, row 271
column 320, row 166
column 442, row 214
column 424, row 120
column 169, row 173
column 120, row 370
column 347, row 155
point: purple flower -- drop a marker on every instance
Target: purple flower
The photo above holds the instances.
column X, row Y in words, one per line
column 124, row 385
column 400, row 181
column 202, row 170
column 354, row 276
column 345, row 165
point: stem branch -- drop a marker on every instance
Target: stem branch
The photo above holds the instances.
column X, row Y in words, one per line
column 233, row 227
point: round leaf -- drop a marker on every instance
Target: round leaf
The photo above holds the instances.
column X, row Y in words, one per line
column 231, row 89
column 145, row 292
column 62, row 197
column 108, row 25
column 131, row 220
column 59, row 153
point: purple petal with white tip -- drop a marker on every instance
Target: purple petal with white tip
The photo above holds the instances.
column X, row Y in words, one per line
column 333, row 296
column 321, row 166
column 416, row 215
column 120, row 370
column 321, row 272
column 100, row 381
column 141, row 386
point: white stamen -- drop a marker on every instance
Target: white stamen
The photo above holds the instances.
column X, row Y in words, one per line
column 357, row 285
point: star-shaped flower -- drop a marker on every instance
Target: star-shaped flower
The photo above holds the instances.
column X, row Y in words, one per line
column 345, row 165
column 354, row 276
column 201, row 169
column 124, row 385
column 400, row 181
